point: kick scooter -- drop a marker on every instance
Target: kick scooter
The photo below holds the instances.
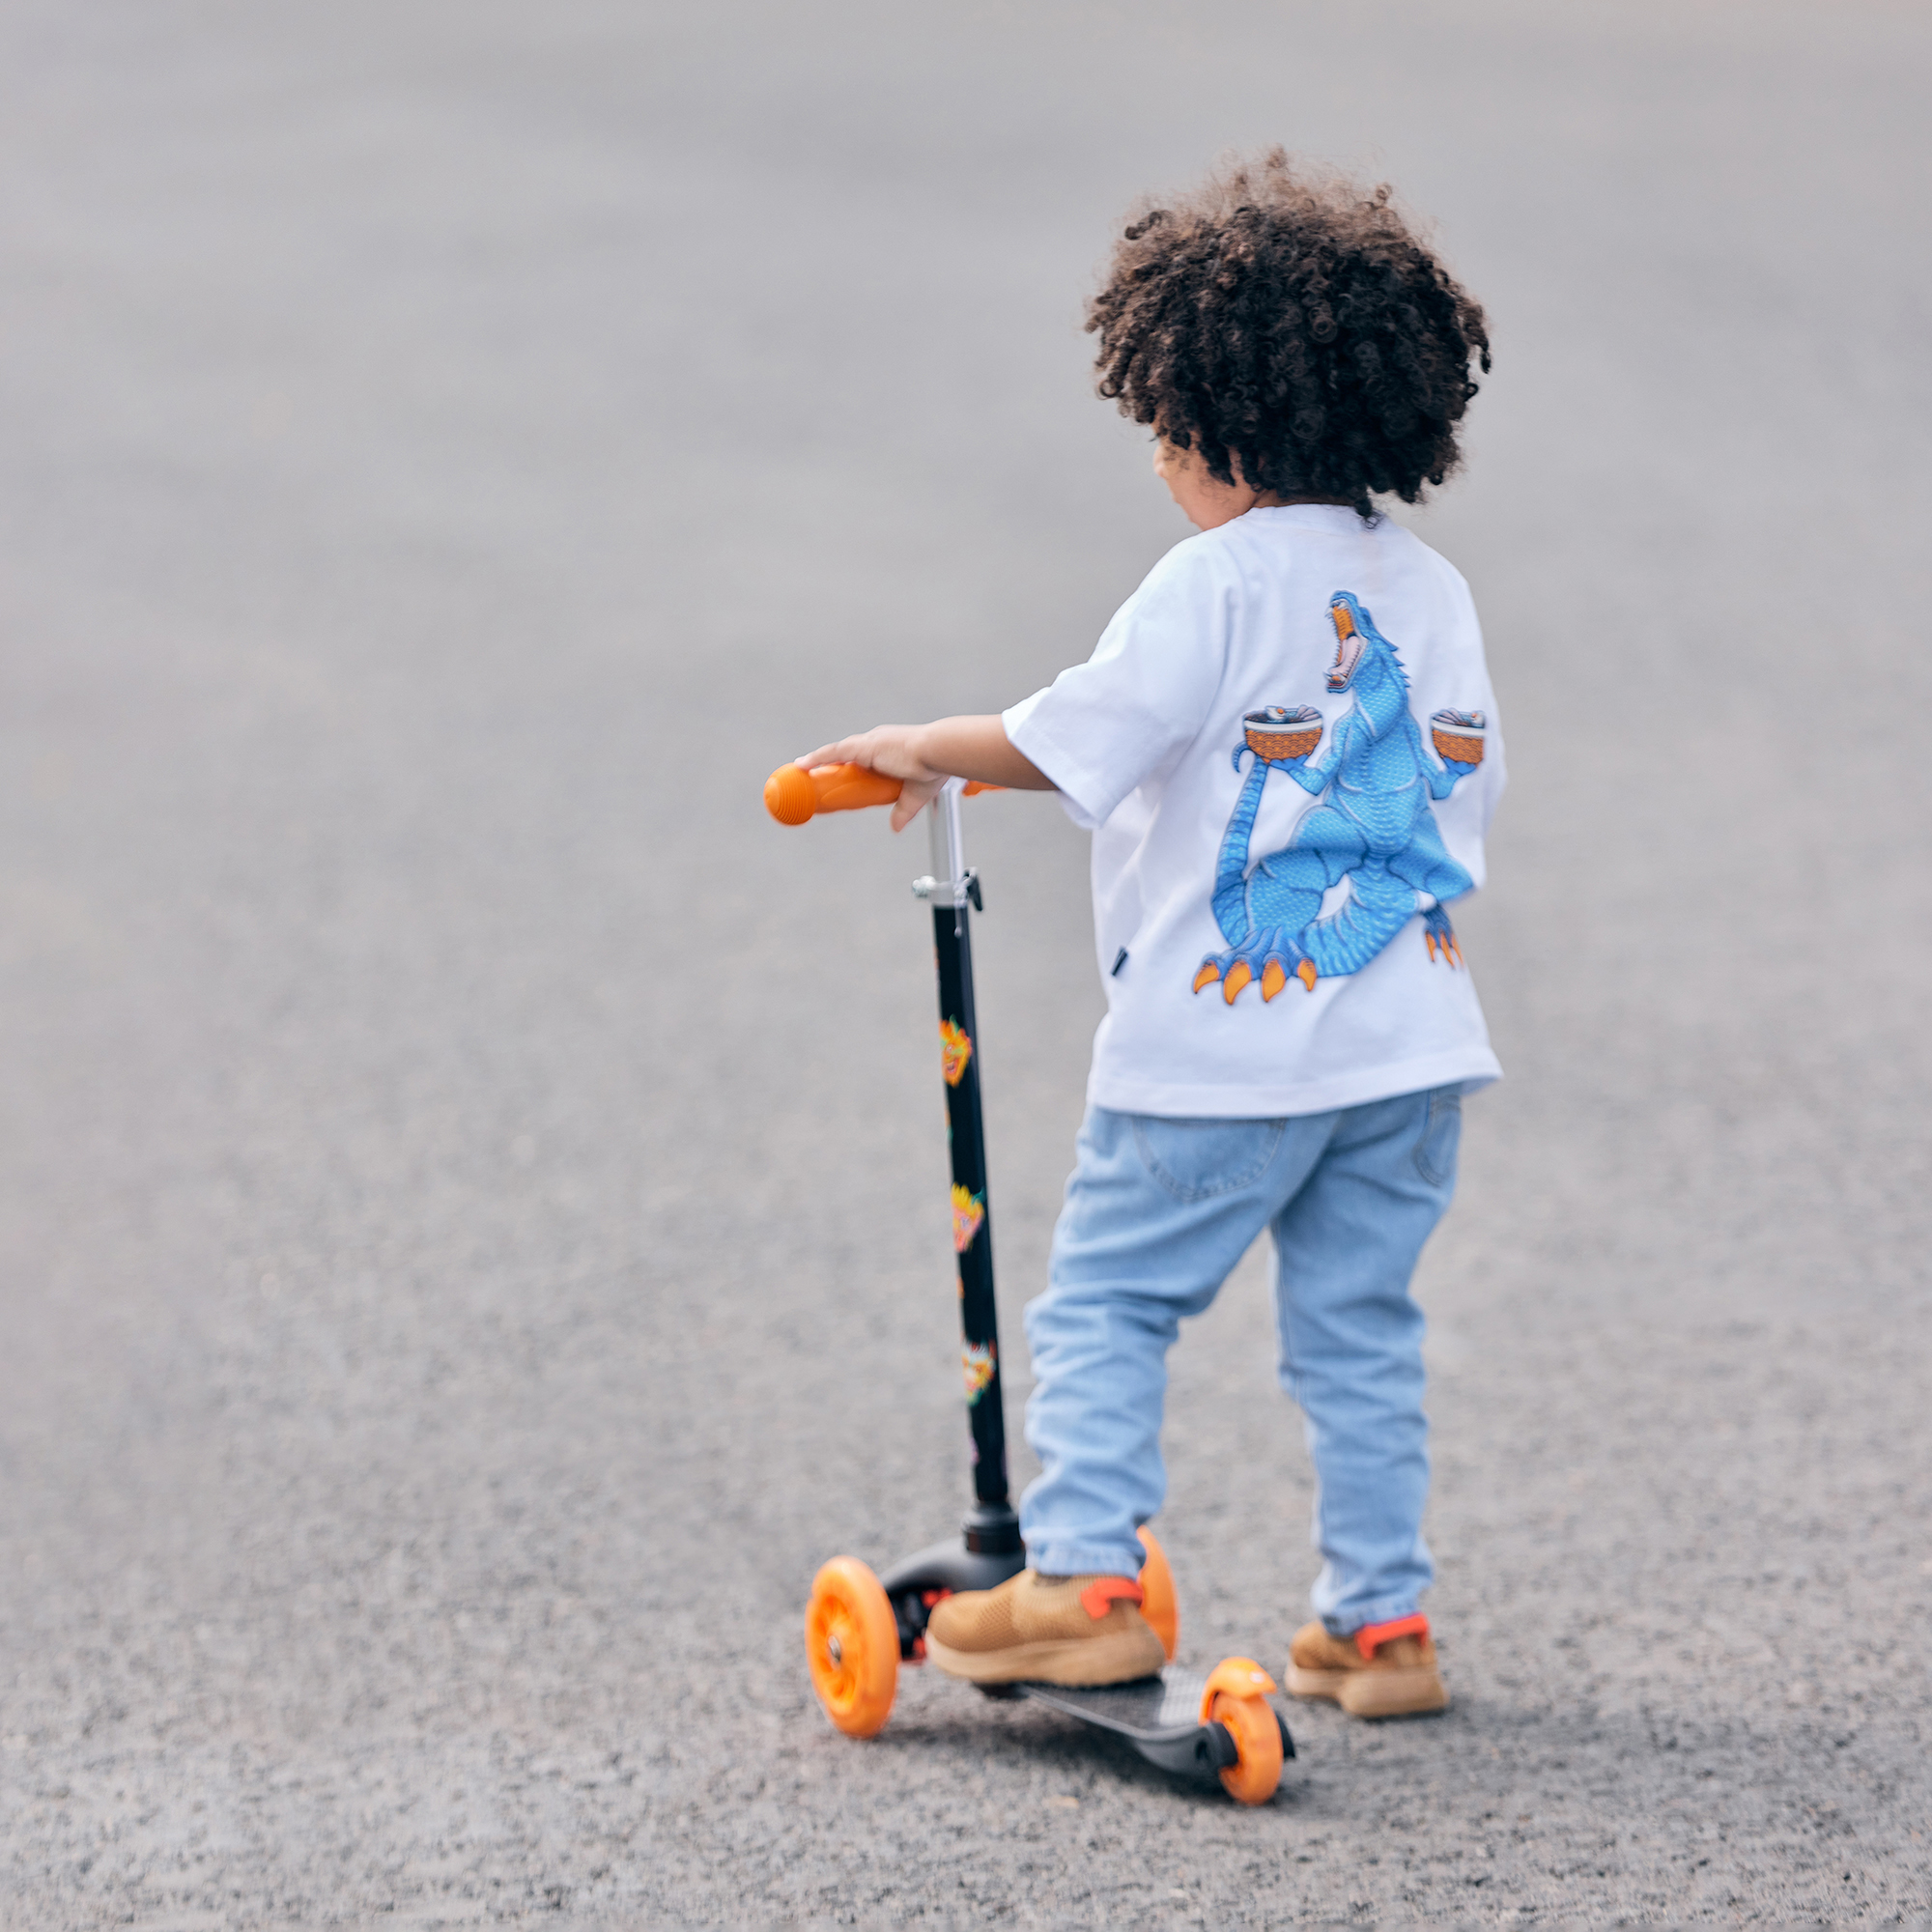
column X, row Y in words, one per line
column 858, row 1627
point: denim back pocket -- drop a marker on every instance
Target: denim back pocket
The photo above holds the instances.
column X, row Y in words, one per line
column 1195, row 1161
column 1441, row 1135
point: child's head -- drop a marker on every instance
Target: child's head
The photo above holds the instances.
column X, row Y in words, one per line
column 1294, row 333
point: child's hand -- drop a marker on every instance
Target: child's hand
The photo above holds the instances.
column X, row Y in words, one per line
column 898, row 752
column 923, row 756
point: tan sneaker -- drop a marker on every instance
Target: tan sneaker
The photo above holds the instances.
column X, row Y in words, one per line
column 1383, row 1670
column 1049, row 1630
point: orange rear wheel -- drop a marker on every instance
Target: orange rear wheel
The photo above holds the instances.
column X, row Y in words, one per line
column 1159, row 1605
column 852, row 1645
column 1251, row 1722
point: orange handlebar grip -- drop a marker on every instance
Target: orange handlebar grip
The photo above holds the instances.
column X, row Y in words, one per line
column 793, row 794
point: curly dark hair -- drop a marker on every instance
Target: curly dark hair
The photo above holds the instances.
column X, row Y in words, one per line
column 1293, row 324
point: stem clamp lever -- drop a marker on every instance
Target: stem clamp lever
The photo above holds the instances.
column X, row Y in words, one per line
column 926, row 887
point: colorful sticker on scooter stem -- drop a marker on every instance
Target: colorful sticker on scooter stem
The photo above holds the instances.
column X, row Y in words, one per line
column 956, row 1049
column 976, row 1357
column 968, row 1212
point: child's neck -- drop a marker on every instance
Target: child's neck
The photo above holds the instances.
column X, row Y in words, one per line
column 1275, row 500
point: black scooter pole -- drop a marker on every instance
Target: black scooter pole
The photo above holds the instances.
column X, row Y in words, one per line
column 990, row 1549
column 991, row 1527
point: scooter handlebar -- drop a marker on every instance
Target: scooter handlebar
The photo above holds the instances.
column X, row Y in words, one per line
column 793, row 794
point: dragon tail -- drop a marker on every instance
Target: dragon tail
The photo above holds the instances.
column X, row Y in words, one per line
column 1231, row 870
column 1378, row 907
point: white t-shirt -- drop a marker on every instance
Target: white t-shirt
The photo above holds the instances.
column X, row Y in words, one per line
column 1286, row 748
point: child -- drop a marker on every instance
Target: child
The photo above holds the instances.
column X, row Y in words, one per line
column 1285, row 747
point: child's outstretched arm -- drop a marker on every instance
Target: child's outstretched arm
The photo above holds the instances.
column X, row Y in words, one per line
column 926, row 756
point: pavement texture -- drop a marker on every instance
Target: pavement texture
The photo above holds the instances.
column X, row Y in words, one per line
column 472, row 1192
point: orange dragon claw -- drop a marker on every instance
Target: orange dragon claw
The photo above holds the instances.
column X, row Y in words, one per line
column 1274, row 977
column 1207, row 975
column 1306, row 973
column 1440, row 936
column 1238, row 977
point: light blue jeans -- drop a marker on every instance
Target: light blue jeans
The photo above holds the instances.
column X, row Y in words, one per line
column 1158, row 1213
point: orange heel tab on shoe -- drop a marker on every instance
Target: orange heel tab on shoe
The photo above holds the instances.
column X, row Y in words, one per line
column 1103, row 1591
column 1233, row 1677
column 1371, row 1637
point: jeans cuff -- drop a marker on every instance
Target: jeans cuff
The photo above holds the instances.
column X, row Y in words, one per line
column 1073, row 1560
column 1385, row 1610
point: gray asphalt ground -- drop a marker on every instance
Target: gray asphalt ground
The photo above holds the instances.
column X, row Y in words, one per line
column 473, row 1206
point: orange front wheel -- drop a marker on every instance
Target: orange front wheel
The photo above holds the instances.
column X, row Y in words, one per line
column 1251, row 1722
column 852, row 1646
column 1160, row 1605
column 1235, row 1695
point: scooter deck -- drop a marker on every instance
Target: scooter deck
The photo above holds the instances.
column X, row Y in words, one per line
column 1160, row 1717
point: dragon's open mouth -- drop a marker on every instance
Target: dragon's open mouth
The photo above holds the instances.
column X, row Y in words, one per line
column 1348, row 646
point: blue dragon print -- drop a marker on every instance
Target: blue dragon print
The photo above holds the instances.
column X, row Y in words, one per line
column 1374, row 827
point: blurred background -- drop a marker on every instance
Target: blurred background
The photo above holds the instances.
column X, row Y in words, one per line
column 472, row 1190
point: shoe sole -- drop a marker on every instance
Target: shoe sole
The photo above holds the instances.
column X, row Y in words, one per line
column 1373, row 1693
column 1065, row 1660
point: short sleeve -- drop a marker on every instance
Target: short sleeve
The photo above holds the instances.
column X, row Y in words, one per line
column 1101, row 729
